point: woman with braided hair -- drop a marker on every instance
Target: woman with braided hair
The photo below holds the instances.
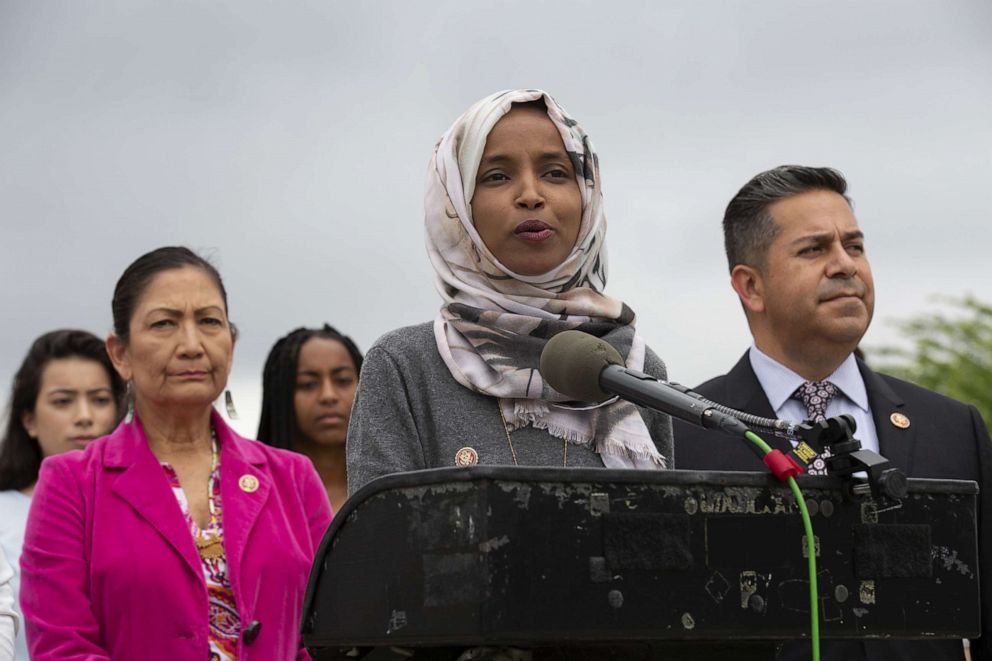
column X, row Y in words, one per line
column 308, row 387
column 516, row 235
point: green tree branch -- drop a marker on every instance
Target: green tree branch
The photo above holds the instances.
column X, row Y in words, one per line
column 951, row 354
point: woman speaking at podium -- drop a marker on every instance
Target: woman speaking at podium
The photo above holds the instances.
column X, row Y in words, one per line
column 516, row 235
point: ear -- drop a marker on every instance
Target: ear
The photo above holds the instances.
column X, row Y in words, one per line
column 117, row 351
column 27, row 419
column 749, row 284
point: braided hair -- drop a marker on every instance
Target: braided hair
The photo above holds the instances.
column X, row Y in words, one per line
column 277, row 425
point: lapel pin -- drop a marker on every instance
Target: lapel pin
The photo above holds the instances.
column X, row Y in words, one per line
column 466, row 457
column 248, row 483
column 899, row 420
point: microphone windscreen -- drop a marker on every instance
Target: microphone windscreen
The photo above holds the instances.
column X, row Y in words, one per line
column 572, row 362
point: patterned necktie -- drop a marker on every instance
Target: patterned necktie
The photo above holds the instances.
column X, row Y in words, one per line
column 816, row 396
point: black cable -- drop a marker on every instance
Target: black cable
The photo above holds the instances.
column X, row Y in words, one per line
column 782, row 428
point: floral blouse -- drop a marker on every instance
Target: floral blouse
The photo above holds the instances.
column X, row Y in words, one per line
column 225, row 622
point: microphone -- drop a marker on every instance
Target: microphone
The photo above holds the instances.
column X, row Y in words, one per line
column 588, row 369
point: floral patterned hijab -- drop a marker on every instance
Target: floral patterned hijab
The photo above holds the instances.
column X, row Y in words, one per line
column 494, row 323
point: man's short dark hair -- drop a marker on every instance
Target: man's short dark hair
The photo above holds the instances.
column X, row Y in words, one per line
column 748, row 228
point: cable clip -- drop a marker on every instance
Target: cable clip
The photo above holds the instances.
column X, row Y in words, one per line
column 782, row 465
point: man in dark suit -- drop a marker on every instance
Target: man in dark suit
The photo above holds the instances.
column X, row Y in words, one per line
column 798, row 263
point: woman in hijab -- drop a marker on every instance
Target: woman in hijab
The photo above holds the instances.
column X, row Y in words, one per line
column 515, row 233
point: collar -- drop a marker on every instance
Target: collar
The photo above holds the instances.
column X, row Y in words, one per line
column 779, row 382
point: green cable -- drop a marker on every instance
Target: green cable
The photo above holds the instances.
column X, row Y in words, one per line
column 814, row 606
column 757, row 440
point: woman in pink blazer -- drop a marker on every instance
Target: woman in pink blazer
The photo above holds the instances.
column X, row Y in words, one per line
column 172, row 538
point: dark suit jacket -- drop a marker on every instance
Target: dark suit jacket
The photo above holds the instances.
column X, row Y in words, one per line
column 945, row 440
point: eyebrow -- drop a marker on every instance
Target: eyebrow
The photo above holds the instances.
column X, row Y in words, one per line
column 73, row 391
column 826, row 237
column 177, row 312
column 336, row 370
column 545, row 156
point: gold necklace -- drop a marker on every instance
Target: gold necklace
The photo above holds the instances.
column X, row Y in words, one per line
column 209, row 544
column 509, row 441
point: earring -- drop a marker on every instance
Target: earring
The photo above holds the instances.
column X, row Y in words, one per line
column 129, row 399
column 232, row 412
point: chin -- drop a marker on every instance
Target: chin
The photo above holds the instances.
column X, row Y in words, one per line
column 527, row 270
column 538, row 262
column 191, row 400
column 849, row 334
column 322, row 437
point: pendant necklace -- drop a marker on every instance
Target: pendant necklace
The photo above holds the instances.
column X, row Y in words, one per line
column 513, row 452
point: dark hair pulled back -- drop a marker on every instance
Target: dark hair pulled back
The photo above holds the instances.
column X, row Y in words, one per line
column 139, row 274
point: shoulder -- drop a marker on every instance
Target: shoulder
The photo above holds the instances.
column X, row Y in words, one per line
column 277, row 456
column 277, row 459
column 14, row 507
column 404, row 340
column 738, row 382
column 711, row 386
column 918, row 396
column 13, row 498
column 910, row 389
column 654, row 365
column 287, row 471
column 238, row 448
column 86, row 461
column 12, row 501
column 409, row 353
column 659, row 424
column 714, row 388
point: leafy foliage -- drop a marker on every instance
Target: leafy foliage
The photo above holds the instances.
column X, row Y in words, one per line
column 950, row 353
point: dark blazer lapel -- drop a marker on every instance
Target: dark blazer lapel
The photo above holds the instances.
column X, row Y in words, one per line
column 144, row 486
column 894, row 444
column 244, row 488
column 744, row 393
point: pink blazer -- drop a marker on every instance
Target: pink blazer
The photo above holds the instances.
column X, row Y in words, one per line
column 110, row 570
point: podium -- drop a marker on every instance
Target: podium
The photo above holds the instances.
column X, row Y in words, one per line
column 599, row 563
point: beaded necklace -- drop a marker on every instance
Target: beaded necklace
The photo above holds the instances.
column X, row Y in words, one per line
column 209, row 542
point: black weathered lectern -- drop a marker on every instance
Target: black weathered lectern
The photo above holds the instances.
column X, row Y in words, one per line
column 596, row 563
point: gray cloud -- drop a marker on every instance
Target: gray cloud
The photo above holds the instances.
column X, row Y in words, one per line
column 290, row 141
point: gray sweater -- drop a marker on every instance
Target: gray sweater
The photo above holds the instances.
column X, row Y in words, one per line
column 411, row 414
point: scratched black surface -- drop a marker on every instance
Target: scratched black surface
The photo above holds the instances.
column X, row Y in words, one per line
column 537, row 556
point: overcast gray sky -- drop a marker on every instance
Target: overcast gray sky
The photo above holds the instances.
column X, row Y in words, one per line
column 289, row 142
